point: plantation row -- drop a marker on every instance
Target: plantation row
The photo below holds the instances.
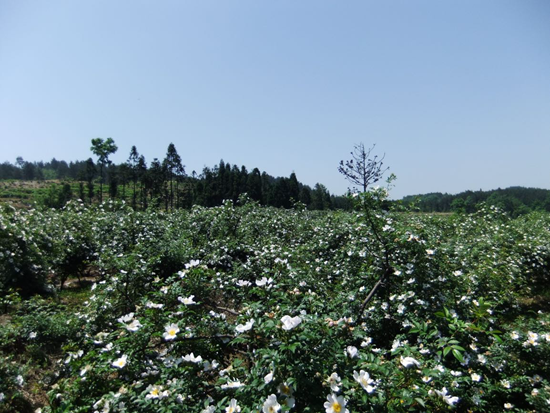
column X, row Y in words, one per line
column 243, row 308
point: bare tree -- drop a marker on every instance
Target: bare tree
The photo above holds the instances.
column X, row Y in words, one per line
column 362, row 170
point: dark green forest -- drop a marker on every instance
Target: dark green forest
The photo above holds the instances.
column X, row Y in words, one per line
column 166, row 184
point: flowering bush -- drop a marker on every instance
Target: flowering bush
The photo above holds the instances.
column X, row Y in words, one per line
column 244, row 308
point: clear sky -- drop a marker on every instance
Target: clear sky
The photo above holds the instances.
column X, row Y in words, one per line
column 455, row 93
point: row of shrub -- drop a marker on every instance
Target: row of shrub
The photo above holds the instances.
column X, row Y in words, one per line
column 246, row 308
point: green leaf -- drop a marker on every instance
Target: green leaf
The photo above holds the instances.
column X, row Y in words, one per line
column 458, row 355
column 420, row 402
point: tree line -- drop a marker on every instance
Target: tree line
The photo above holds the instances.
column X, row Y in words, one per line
column 514, row 200
column 165, row 183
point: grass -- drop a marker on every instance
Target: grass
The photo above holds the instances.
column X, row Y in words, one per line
column 20, row 193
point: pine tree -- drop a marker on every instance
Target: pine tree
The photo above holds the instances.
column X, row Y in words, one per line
column 132, row 162
column 174, row 169
column 254, row 185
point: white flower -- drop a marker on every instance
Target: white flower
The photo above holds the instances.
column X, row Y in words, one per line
column 505, row 384
column 150, row 304
column 531, row 339
column 285, row 389
column 20, row 380
column 207, row 366
column 409, row 362
column 290, row 402
column 508, row 405
column 120, row 362
column 32, row 335
column 209, row 409
column 126, row 318
column 439, row 368
column 396, row 344
column 232, row 385
column 363, row 378
column 334, row 382
column 290, row 322
column 154, row 392
column 187, row 300
column 475, row 377
column 335, row 404
column 192, row 359
column 192, row 263
column 268, row 377
column 366, row 342
column 133, row 326
column 352, row 351
column 514, row 335
column 2, row 396
column 171, row 331
column 271, row 405
column 241, row 328
column 450, row 400
column 233, row 407
column 242, row 283
column 85, row 370
column 264, row 281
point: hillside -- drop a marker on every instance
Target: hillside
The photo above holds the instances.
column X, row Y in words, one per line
column 514, row 200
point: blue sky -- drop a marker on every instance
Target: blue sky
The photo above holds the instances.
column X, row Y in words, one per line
column 455, row 93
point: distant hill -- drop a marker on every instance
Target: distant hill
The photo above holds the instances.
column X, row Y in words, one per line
column 516, row 200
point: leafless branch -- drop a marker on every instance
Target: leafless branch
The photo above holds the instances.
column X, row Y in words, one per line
column 362, row 170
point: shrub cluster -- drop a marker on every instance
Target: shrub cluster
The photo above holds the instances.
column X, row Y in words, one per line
column 247, row 308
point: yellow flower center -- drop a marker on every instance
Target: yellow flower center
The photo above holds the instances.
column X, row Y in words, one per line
column 172, row 332
column 336, row 407
column 155, row 391
column 231, row 410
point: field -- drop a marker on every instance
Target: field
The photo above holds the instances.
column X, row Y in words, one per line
column 25, row 193
column 248, row 308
